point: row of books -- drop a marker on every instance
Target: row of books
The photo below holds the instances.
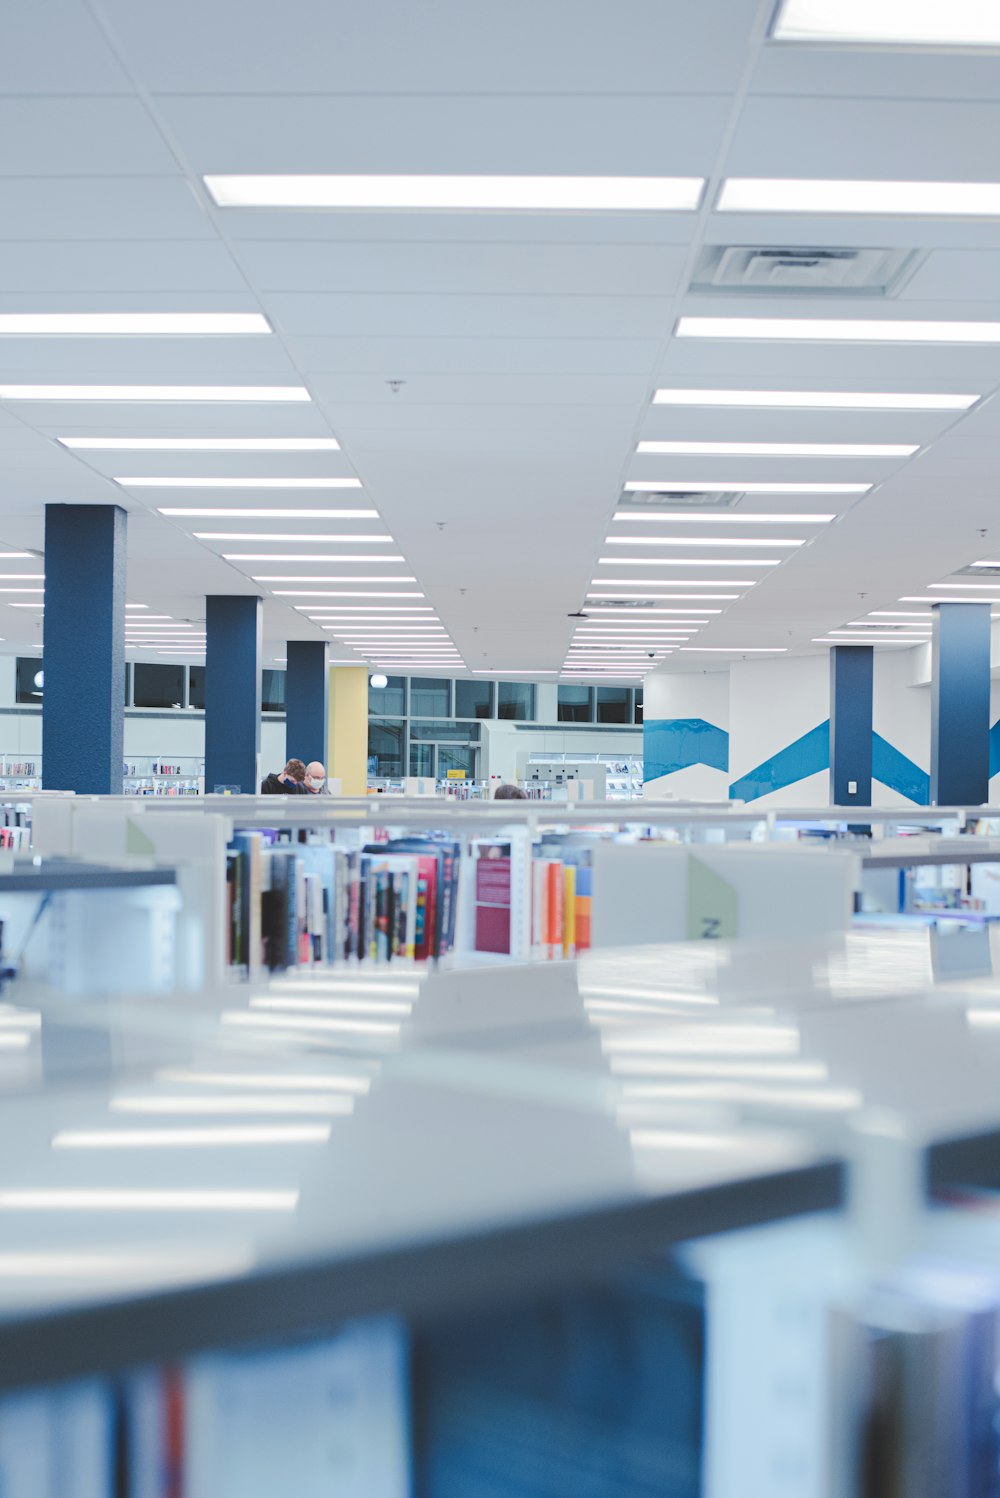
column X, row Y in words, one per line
column 311, row 903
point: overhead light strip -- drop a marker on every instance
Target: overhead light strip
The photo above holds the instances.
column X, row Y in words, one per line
column 838, row 330
column 458, row 193
column 818, row 400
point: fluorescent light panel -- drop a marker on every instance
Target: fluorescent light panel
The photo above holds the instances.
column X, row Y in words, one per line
column 816, row 400
column 736, row 649
column 839, row 330
column 211, row 512
column 459, row 193
column 202, row 444
column 679, row 486
column 309, row 593
column 638, row 582
column 923, row 23
column 883, row 199
column 292, row 578
column 236, row 483
column 930, row 598
column 672, row 517
column 693, row 562
column 279, row 537
column 779, row 449
column 199, row 393
column 263, row 556
column 130, row 324
column 704, row 541
column 965, row 587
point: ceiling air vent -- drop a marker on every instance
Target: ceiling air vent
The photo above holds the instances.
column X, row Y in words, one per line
column 779, row 269
column 979, row 571
column 684, row 499
column 592, row 605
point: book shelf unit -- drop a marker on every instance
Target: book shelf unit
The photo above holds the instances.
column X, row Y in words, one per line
column 181, row 776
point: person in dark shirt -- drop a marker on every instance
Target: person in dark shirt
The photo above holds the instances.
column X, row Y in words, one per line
column 291, row 781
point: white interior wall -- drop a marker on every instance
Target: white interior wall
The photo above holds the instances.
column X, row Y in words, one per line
column 502, row 742
column 701, row 695
column 772, row 703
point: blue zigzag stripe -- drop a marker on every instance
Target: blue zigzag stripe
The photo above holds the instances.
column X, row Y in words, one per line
column 810, row 755
column 671, row 744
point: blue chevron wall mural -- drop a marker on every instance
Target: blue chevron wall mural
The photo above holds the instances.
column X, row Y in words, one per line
column 671, row 744
column 810, row 755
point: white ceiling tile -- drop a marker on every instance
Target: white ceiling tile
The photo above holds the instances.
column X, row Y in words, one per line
column 449, row 268
column 312, row 46
column 407, row 356
column 60, row 137
column 860, row 72
column 510, row 316
column 116, row 268
column 75, row 208
column 54, row 47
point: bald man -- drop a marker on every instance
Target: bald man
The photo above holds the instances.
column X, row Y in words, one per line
column 315, row 777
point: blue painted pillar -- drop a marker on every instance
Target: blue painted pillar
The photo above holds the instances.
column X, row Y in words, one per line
column 83, row 702
column 851, row 674
column 960, row 704
column 233, row 628
column 307, row 692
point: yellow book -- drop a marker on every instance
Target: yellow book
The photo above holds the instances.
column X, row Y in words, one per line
column 569, row 910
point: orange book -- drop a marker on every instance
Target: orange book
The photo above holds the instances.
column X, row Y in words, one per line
column 554, row 903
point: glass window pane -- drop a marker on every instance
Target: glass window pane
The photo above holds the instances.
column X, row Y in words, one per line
column 575, row 705
column 473, row 699
column 272, row 695
column 429, row 697
column 385, row 746
column 158, row 686
column 196, row 687
column 387, row 701
column 421, row 759
column 613, row 705
column 515, row 699
column 457, row 757
column 638, row 704
column 28, row 690
column 434, row 728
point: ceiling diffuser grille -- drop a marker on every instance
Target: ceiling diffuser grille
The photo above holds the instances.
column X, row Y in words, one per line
column 813, row 270
column 684, row 499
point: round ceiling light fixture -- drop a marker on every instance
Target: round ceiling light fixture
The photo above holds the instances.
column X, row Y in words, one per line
column 378, row 680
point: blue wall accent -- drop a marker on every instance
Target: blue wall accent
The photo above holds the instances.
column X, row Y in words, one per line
column 851, row 680
column 810, row 755
column 995, row 749
column 892, row 768
column 960, row 704
column 83, row 702
column 307, row 691
column 671, row 744
column 232, row 692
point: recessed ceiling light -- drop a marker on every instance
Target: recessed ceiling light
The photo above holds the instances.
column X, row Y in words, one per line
column 237, row 483
column 739, row 582
column 818, row 400
column 285, row 578
column 839, row 330
column 819, row 195
column 779, row 449
column 130, row 324
column 638, row 582
column 631, row 613
column 928, row 23
column 703, row 541
column 459, row 193
column 32, row 556
column 513, row 671
column 154, row 393
column 965, row 587
column 736, row 649
column 22, row 590
column 930, row 598
column 26, row 605
column 209, row 1136
column 972, row 564
column 207, row 513
column 679, row 486
column 23, row 576
column 670, row 582
column 203, row 444
column 342, row 611
column 310, row 593
column 144, row 1199
column 665, row 517
column 893, row 639
column 264, row 556
column 855, row 624
column 326, row 540
column 900, row 614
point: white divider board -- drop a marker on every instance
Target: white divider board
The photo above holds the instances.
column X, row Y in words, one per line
column 657, row 892
column 495, row 999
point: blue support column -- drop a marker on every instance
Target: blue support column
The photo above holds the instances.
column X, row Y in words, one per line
column 851, row 674
column 307, row 693
column 960, row 704
column 233, row 627
column 83, row 702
